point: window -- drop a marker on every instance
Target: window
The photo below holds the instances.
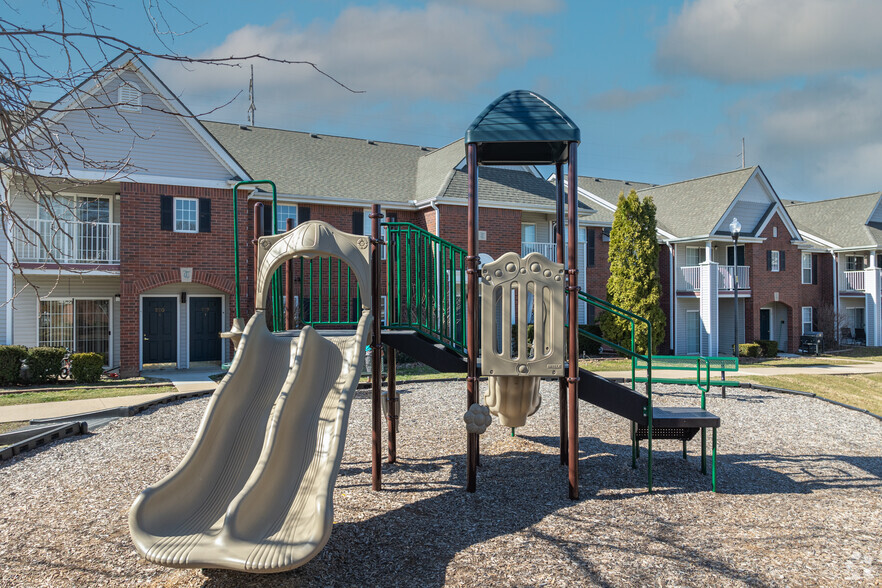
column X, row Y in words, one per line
column 856, row 318
column 186, row 215
column 283, row 213
column 129, row 97
column 80, row 325
column 528, row 233
column 695, row 255
column 807, row 268
column 806, row 319
column 854, row 263
column 589, row 248
column 730, row 257
column 774, row 261
column 774, row 232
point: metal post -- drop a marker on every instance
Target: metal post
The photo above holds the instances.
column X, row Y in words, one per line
column 472, row 314
column 258, row 232
column 376, row 352
column 289, row 286
column 735, row 291
column 559, row 241
column 392, row 406
column 573, row 346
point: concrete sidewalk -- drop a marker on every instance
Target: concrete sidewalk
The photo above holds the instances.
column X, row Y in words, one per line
column 195, row 380
column 826, row 370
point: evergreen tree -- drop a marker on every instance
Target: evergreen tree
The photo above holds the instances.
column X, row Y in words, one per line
column 634, row 282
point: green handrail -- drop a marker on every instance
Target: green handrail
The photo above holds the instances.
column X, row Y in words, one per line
column 431, row 296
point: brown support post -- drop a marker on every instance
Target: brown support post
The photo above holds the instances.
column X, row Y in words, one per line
column 472, row 314
column 392, row 399
column 573, row 345
column 376, row 355
column 289, row 285
column 559, row 240
column 258, row 232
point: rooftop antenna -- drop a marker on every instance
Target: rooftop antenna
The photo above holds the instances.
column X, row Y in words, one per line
column 742, row 151
column 251, row 107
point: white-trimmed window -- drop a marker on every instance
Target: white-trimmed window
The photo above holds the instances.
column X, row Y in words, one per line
column 775, row 261
column 695, row 255
column 80, row 325
column 129, row 97
column 283, row 213
column 528, row 233
column 807, row 268
column 806, row 319
column 186, row 215
column 854, row 263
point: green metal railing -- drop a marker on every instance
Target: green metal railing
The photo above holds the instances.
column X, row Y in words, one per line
column 635, row 357
column 426, row 284
column 328, row 293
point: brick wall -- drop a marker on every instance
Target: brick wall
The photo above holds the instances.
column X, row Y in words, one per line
column 503, row 228
column 787, row 284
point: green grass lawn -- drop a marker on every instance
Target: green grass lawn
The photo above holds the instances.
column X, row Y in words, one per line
column 50, row 395
column 860, row 390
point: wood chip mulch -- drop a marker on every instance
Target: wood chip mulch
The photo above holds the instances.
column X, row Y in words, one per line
column 799, row 502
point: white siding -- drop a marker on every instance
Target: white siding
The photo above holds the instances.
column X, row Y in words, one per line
column 26, row 304
column 680, row 334
column 154, row 140
column 4, row 276
column 876, row 216
column 543, row 229
column 749, row 214
column 727, row 324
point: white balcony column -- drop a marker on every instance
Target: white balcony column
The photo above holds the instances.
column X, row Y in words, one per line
column 709, row 309
column 873, row 305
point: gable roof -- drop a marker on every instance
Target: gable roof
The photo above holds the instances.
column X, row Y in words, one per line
column 129, row 64
column 603, row 195
column 845, row 222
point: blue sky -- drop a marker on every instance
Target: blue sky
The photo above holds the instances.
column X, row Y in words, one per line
column 662, row 90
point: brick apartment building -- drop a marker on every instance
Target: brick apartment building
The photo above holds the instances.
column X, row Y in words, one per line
column 142, row 268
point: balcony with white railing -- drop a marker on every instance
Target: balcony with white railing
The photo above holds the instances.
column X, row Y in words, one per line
column 689, row 278
column 851, row 281
column 66, row 242
column 549, row 250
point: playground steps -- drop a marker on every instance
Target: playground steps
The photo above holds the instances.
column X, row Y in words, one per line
column 667, row 422
column 424, row 350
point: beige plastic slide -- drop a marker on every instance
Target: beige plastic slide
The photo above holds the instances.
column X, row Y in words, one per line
column 255, row 491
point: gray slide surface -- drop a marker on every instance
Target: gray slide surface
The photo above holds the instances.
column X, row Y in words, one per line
column 255, row 491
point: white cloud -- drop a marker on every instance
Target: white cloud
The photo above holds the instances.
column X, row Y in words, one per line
column 397, row 56
column 622, row 99
column 525, row 6
column 748, row 40
column 822, row 139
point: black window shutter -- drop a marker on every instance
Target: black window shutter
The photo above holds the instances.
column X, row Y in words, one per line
column 814, row 319
column 358, row 222
column 205, row 215
column 769, row 260
column 781, row 260
column 589, row 254
column 268, row 219
column 814, row 268
column 166, row 214
column 302, row 214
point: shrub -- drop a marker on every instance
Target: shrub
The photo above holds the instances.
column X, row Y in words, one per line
column 86, row 367
column 749, row 349
column 11, row 357
column 45, row 363
column 768, row 348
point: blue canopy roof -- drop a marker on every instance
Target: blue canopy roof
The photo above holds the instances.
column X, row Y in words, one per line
column 522, row 127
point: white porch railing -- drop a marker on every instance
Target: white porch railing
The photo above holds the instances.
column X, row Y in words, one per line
column 49, row 241
column 689, row 278
column 851, row 281
column 727, row 277
column 549, row 250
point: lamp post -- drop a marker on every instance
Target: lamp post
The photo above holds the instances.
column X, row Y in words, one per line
column 735, row 230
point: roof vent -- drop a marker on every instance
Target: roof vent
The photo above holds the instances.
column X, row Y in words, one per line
column 244, row 127
column 314, row 135
column 369, row 142
column 424, row 148
column 627, row 183
column 596, row 179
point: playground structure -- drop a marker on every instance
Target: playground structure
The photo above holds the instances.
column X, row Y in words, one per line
column 255, row 491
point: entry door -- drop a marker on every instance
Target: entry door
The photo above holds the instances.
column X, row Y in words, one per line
column 205, row 328
column 766, row 324
column 160, row 326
